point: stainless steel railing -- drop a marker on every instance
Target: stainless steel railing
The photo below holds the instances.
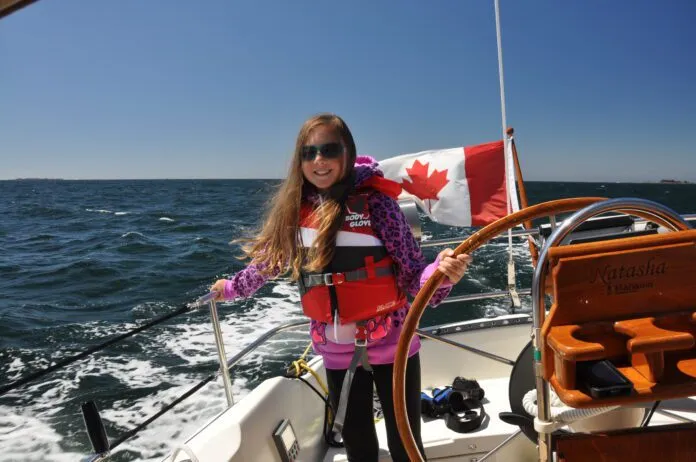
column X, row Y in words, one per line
column 226, row 365
column 534, row 232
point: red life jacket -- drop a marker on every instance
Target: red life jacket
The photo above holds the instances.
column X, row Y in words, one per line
column 360, row 282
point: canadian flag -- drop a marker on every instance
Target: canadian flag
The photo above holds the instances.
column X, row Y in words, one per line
column 464, row 186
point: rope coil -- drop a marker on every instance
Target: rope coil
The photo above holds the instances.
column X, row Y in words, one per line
column 299, row 365
column 560, row 411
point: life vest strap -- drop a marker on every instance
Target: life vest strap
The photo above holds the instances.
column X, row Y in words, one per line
column 359, row 357
column 331, row 279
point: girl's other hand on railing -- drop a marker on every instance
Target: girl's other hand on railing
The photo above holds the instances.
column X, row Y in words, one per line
column 219, row 287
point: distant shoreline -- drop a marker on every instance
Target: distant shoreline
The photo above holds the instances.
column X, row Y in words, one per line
column 675, row 182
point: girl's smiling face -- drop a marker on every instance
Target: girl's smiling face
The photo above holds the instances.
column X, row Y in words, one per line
column 323, row 157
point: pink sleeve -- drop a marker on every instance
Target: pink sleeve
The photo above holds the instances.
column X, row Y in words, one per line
column 244, row 284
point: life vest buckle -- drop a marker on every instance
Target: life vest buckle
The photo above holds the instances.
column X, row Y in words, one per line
column 360, row 335
column 331, row 279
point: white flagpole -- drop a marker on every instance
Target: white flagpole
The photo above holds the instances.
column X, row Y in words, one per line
column 512, row 286
column 500, row 71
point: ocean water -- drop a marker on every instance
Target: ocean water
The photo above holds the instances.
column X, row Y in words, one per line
column 85, row 260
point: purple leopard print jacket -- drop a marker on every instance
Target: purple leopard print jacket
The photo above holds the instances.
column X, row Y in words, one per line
column 335, row 342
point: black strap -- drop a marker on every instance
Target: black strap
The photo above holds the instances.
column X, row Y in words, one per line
column 330, row 279
column 359, row 356
column 469, row 418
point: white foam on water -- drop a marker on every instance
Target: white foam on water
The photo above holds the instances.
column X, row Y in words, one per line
column 98, row 210
column 15, row 366
column 133, row 233
column 35, row 430
column 107, row 211
column 166, row 219
column 26, row 437
column 173, row 428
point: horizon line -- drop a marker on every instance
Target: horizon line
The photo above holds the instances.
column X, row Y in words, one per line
column 665, row 181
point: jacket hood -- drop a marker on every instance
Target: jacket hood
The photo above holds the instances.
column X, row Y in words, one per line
column 365, row 168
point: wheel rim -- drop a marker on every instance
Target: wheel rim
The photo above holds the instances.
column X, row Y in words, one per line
column 421, row 300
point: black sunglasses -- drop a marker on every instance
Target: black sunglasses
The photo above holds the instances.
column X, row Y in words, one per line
column 327, row 151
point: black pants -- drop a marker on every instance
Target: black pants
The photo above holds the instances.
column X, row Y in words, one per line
column 359, row 435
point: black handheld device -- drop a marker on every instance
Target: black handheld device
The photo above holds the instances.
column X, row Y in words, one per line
column 602, row 379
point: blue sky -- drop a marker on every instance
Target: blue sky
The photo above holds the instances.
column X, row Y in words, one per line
column 596, row 90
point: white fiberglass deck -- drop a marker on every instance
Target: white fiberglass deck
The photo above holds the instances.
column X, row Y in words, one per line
column 441, row 443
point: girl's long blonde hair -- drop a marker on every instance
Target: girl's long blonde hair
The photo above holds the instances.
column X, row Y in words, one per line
column 276, row 249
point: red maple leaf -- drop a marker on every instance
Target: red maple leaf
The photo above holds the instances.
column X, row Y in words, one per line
column 424, row 186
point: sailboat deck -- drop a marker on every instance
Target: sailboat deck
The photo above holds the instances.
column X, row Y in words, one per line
column 441, row 443
column 243, row 432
